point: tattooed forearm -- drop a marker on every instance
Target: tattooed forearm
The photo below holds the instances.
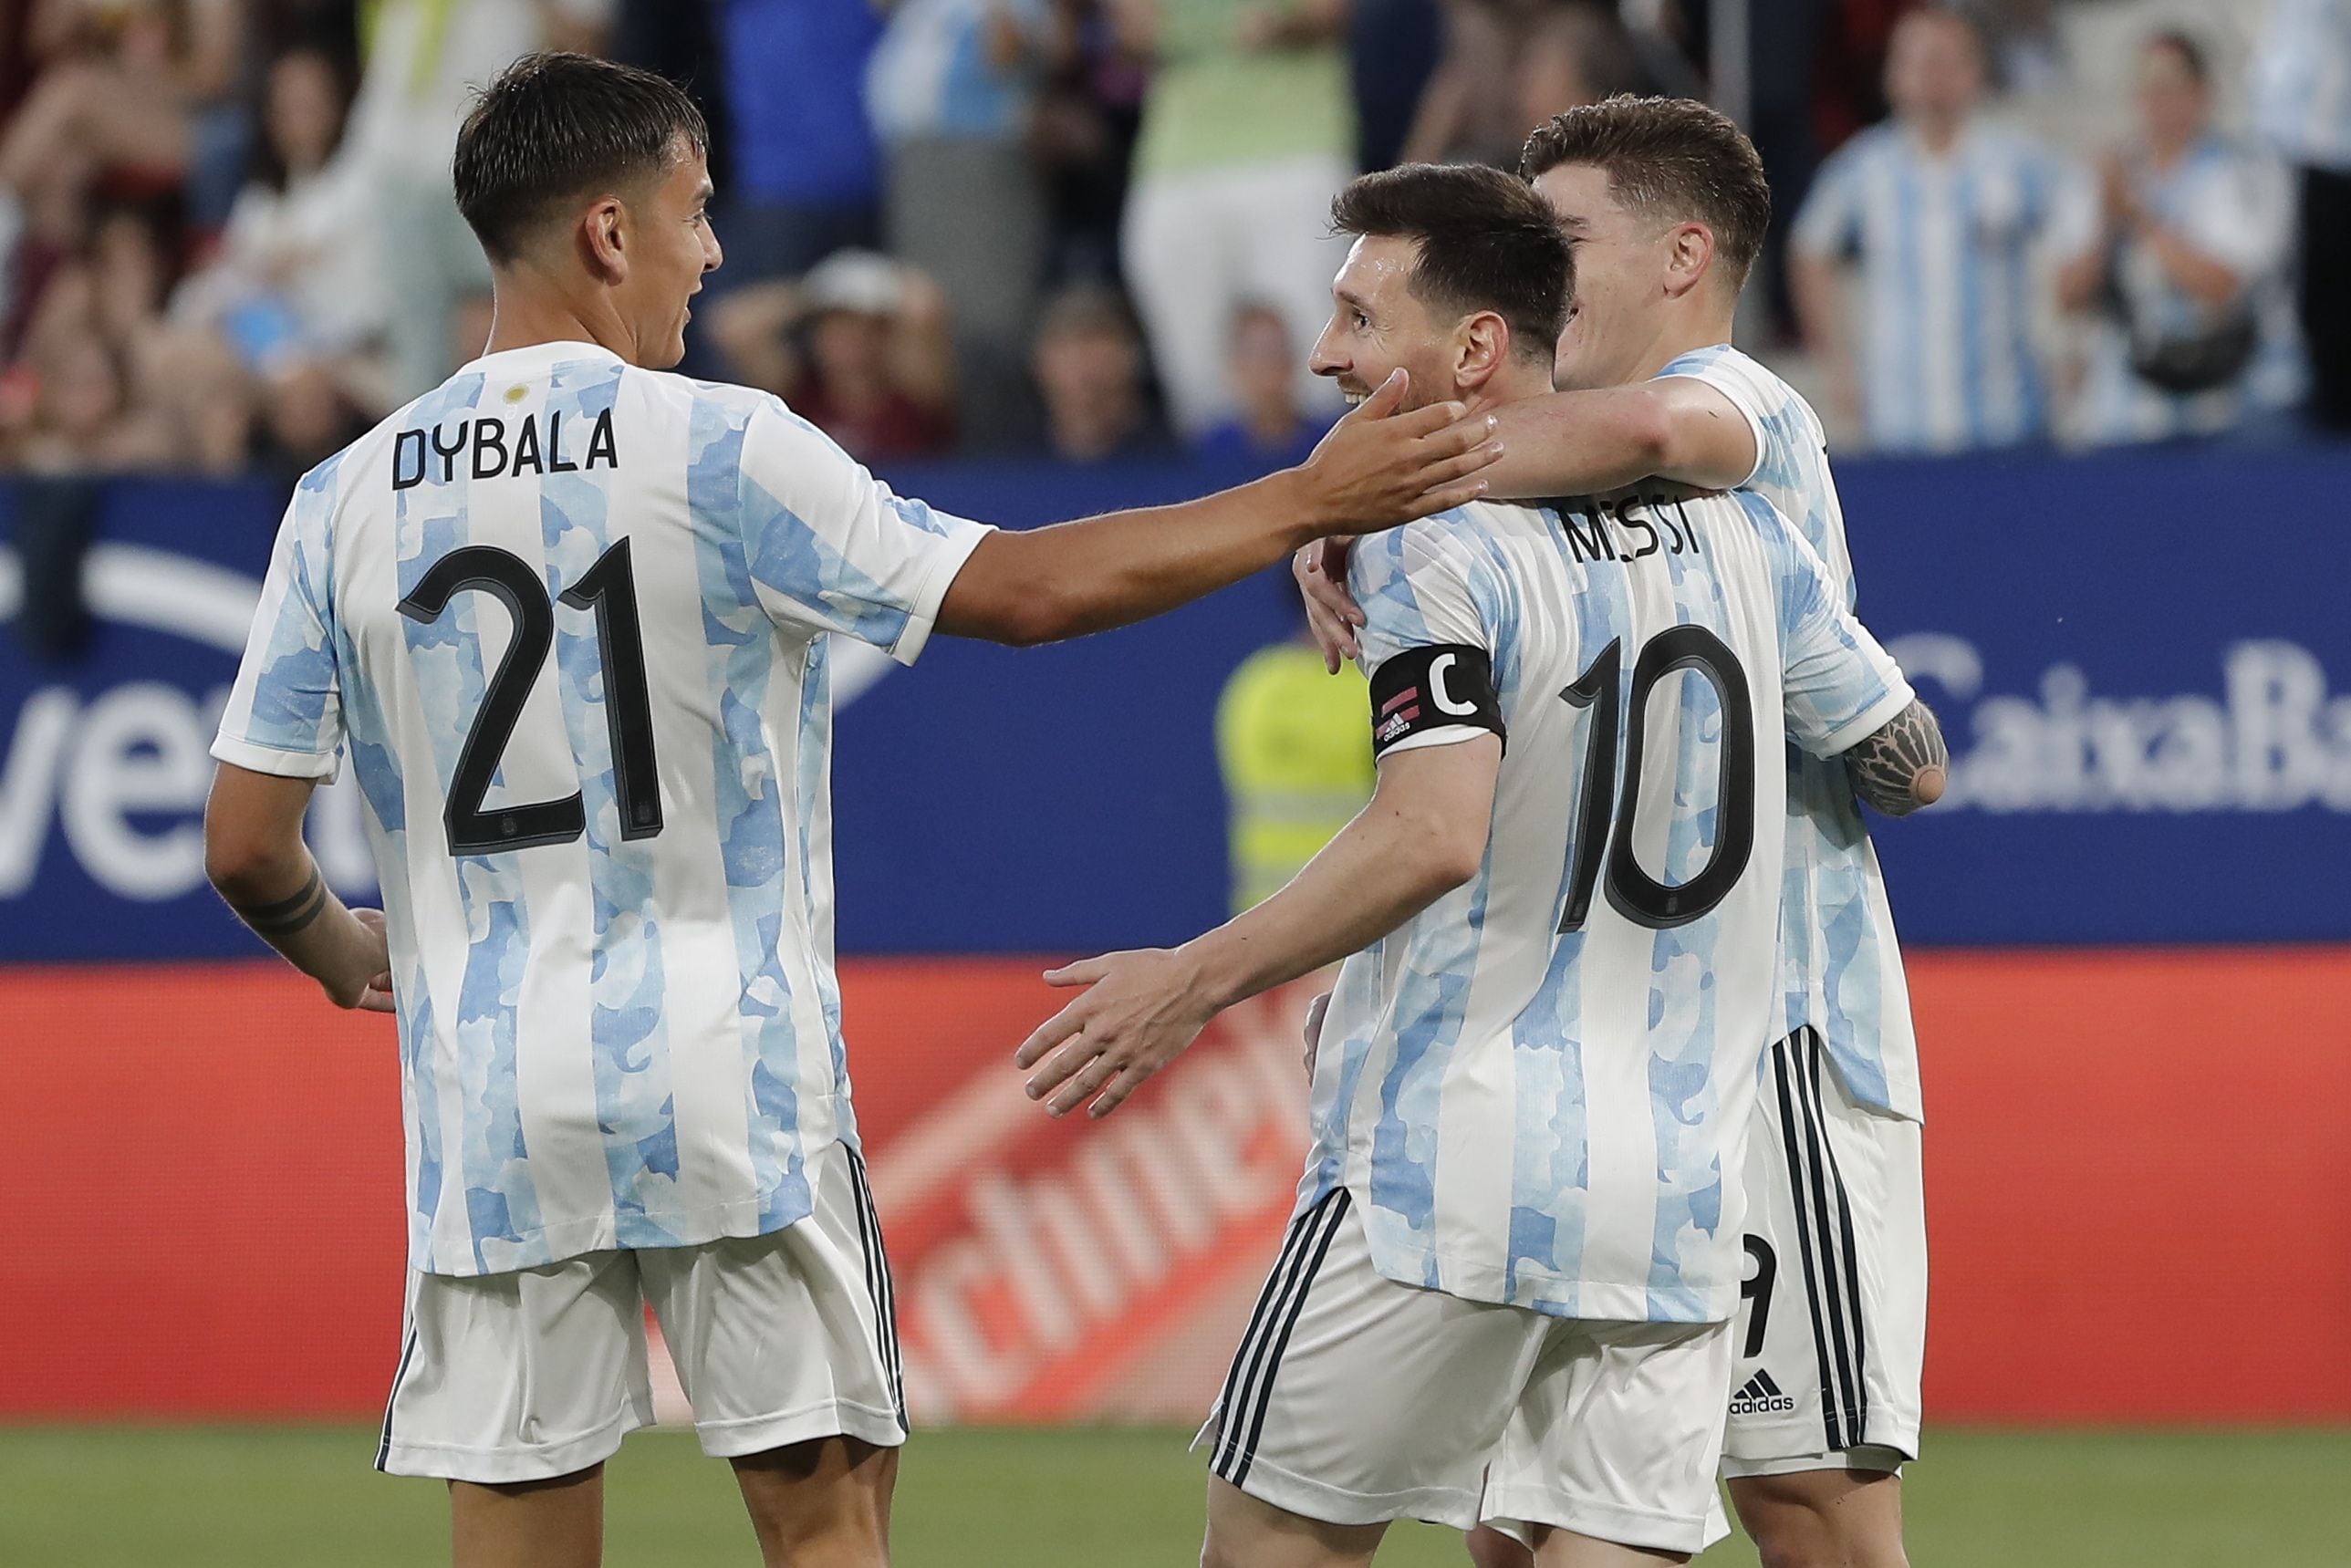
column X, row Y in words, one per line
column 1904, row 765
column 284, row 917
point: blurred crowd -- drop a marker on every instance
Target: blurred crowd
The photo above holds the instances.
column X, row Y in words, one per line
column 1097, row 228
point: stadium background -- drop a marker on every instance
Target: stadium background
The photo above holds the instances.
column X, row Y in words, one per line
column 2130, row 943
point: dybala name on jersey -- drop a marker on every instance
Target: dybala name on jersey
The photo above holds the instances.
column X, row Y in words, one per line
column 537, row 445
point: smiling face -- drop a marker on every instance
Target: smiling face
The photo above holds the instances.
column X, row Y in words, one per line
column 1378, row 325
column 668, row 243
column 1621, row 269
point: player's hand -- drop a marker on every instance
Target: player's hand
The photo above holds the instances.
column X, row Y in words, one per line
column 1139, row 1012
column 1332, row 612
column 1316, row 1012
column 373, row 994
column 1377, row 468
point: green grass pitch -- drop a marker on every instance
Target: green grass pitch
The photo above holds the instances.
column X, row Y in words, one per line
column 304, row 1498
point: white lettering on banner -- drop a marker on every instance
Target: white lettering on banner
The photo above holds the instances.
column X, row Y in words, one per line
column 29, row 784
column 2276, row 740
column 1043, row 1260
column 141, row 749
column 125, row 776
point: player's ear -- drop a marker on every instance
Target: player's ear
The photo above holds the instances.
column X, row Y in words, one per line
column 1690, row 252
column 1484, row 342
column 602, row 239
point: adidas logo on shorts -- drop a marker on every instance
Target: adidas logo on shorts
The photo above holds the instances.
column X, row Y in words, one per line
column 1762, row 1397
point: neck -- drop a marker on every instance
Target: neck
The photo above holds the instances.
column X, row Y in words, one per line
column 1938, row 133
column 529, row 307
column 1517, row 380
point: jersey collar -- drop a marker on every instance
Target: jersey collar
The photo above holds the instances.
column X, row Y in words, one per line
column 535, row 357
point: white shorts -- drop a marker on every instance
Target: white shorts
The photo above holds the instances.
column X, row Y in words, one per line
column 778, row 1339
column 1834, row 1328
column 1355, row 1400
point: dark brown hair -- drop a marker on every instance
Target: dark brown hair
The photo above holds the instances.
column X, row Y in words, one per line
column 1672, row 158
column 555, row 128
column 1486, row 243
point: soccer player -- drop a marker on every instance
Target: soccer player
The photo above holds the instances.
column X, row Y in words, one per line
column 1507, row 1290
column 569, row 615
column 1667, row 204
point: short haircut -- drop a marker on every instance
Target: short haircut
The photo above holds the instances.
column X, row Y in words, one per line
column 1486, row 243
column 555, row 128
column 2181, row 42
column 1672, row 159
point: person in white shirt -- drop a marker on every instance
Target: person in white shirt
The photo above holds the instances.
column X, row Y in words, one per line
column 1944, row 214
column 1508, row 1289
column 2302, row 106
column 570, row 617
column 2183, row 261
column 1667, row 204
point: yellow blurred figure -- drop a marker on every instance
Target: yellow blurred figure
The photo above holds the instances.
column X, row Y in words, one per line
column 1294, row 743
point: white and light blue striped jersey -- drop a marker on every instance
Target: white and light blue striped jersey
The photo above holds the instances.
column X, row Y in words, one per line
column 1947, row 252
column 2232, row 201
column 2302, row 82
column 569, row 617
column 934, row 71
column 1840, row 964
column 1535, row 1087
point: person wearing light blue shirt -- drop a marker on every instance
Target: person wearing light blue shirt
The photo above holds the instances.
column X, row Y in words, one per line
column 2302, row 106
column 951, row 90
column 2183, row 261
column 1943, row 213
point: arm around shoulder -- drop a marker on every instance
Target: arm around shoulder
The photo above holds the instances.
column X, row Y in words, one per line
column 1904, row 765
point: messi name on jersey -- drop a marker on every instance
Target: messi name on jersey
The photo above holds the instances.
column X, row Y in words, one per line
column 536, row 443
column 1626, row 525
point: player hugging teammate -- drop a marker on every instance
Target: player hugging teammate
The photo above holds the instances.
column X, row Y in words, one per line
column 1511, row 1296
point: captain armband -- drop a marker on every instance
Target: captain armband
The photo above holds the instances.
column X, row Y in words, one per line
column 1422, row 689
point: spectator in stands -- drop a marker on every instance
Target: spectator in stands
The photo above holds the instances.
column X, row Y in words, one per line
column 861, row 347
column 1088, row 362
column 81, row 420
column 807, row 174
column 295, row 282
column 1268, row 429
column 953, row 87
column 1246, row 134
column 424, row 59
column 2183, row 258
column 1944, row 212
column 2302, row 106
column 1089, row 111
column 1510, row 65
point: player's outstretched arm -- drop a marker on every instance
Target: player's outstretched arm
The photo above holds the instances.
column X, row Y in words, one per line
column 1904, row 765
column 1565, row 444
column 1377, row 468
column 1423, row 835
column 256, row 858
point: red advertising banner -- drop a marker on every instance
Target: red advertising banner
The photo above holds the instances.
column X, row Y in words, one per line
column 2138, row 1185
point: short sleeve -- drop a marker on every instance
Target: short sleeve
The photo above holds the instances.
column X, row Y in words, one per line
column 830, row 549
column 1829, row 223
column 1838, row 686
column 285, row 715
column 1421, row 587
column 1740, row 392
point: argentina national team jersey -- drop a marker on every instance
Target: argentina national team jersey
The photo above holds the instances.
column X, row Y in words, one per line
column 568, row 619
column 2301, row 98
column 1534, row 1088
column 1840, row 965
column 1947, row 251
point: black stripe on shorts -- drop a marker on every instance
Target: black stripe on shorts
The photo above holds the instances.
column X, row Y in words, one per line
column 1248, row 1387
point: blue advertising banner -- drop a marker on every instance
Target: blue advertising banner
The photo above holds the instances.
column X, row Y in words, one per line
column 2133, row 656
